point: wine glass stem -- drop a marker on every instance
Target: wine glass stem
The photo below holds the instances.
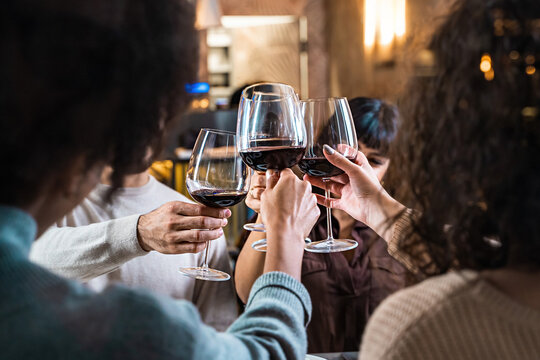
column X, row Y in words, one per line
column 330, row 237
column 205, row 264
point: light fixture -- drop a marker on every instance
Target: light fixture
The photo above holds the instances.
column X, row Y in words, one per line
column 207, row 14
column 384, row 23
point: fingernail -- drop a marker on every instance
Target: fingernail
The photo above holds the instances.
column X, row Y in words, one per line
column 270, row 173
column 328, row 150
column 227, row 213
column 224, row 222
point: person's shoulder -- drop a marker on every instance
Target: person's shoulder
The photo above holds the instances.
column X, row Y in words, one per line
column 416, row 301
column 137, row 312
column 437, row 288
column 395, row 319
column 166, row 191
column 121, row 317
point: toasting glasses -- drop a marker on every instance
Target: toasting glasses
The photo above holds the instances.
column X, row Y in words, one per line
column 216, row 177
column 328, row 121
column 271, row 132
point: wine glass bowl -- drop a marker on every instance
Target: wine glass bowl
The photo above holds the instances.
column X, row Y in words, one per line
column 216, row 177
column 328, row 122
column 271, row 133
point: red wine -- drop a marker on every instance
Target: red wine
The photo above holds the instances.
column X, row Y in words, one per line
column 218, row 198
column 319, row 167
column 278, row 154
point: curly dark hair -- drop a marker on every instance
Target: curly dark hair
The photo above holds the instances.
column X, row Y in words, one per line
column 468, row 151
column 375, row 121
column 97, row 80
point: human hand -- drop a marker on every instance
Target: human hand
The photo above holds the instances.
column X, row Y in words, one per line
column 289, row 211
column 177, row 227
column 258, row 185
column 360, row 193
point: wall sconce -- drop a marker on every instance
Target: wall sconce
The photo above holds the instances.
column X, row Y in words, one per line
column 384, row 26
column 207, row 14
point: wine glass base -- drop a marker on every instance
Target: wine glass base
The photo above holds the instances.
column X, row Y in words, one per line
column 259, row 245
column 207, row 274
column 255, row 227
column 330, row 246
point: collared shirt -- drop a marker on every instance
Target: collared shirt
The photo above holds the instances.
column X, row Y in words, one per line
column 345, row 294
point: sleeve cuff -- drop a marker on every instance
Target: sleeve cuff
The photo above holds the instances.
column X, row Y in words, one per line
column 272, row 285
column 402, row 229
column 124, row 242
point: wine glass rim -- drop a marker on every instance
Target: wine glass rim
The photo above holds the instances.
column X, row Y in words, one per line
column 218, row 131
column 324, row 99
column 267, row 83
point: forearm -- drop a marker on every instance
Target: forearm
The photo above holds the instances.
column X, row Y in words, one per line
column 284, row 254
column 272, row 327
column 85, row 252
column 249, row 266
column 280, row 307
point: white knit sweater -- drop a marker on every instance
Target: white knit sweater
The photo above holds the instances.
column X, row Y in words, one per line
column 97, row 243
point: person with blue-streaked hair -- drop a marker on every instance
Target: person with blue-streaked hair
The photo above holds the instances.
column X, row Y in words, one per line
column 345, row 287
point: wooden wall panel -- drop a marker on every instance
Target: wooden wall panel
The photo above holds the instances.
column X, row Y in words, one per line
column 314, row 10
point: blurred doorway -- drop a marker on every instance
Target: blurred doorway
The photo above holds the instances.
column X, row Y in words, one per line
column 248, row 49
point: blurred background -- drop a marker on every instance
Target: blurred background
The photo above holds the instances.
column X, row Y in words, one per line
column 322, row 48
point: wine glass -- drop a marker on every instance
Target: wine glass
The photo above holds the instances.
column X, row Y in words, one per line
column 330, row 122
column 216, row 177
column 271, row 133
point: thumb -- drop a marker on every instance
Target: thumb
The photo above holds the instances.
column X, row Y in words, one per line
column 272, row 177
column 340, row 161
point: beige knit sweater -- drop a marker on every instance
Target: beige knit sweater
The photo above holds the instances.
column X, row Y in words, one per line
column 454, row 316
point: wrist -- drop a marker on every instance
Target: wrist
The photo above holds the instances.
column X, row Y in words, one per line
column 140, row 234
column 382, row 219
column 284, row 253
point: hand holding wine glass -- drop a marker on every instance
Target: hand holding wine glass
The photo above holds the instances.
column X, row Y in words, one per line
column 169, row 228
column 216, row 177
column 289, row 210
column 359, row 192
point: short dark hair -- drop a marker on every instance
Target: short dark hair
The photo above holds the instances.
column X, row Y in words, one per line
column 236, row 96
column 94, row 79
column 375, row 121
column 469, row 146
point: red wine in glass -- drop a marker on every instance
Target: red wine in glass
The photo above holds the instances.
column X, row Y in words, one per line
column 273, row 154
column 218, row 198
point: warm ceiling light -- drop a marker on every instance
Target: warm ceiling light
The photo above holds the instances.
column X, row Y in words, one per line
column 370, row 22
column 384, row 21
column 400, row 18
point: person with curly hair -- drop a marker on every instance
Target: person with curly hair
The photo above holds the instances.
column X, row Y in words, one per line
column 468, row 155
column 85, row 84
